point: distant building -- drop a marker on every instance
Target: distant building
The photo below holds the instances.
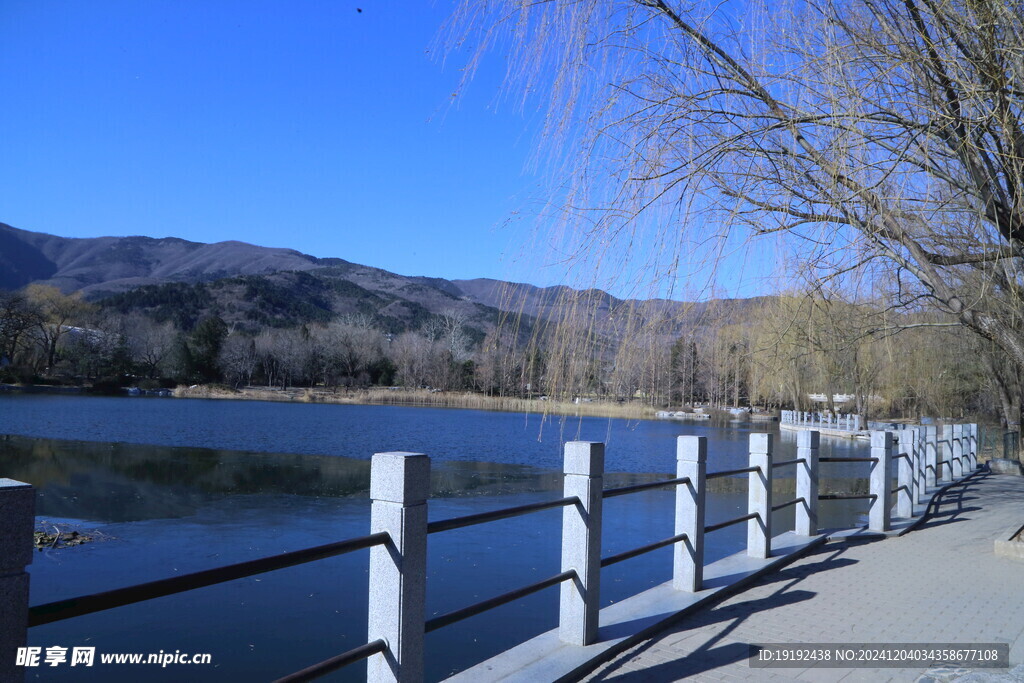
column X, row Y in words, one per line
column 836, row 398
column 840, row 399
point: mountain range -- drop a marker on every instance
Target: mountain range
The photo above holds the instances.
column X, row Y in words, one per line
column 249, row 285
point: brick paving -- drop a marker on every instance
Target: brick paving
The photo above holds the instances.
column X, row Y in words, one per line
column 939, row 583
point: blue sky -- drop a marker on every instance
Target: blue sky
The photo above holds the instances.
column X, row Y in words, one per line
column 308, row 125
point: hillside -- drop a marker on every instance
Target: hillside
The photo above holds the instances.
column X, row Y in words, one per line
column 101, row 265
column 252, row 286
column 292, row 298
column 603, row 312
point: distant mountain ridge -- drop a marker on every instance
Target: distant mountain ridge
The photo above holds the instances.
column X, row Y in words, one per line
column 109, row 264
column 249, row 284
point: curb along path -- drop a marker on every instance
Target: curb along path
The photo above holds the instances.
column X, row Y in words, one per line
column 939, row 584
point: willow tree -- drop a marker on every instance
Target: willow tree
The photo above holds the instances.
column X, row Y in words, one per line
column 877, row 136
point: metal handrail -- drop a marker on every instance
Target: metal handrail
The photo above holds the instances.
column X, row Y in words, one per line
column 847, row 459
column 97, row 602
column 497, row 601
column 629, row 554
column 847, row 496
column 786, row 463
column 493, row 515
column 722, row 525
column 623, row 490
column 729, row 473
column 795, row 501
column 334, row 663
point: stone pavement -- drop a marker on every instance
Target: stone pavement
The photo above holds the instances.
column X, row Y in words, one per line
column 939, row 583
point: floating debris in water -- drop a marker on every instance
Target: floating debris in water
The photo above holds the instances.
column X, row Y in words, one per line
column 59, row 538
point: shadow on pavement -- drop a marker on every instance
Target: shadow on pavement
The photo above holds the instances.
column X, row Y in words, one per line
column 712, row 654
column 948, row 507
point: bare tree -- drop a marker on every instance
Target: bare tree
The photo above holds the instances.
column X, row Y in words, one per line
column 411, row 354
column 283, row 356
column 238, row 359
column 18, row 317
column 868, row 135
column 150, row 343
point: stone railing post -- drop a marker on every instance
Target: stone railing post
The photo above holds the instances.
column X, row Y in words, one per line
column 879, row 514
column 931, row 456
column 688, row 556
column 919, row 485
column 399, row 488
column 957, row 460
column 905, row 475
column 759, row 497
column 580, row 599
column 972, row 446
column 945, row 453
column 17, row 521
column 806, row 519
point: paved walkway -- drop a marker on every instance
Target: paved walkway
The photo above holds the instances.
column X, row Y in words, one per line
column 939, row 583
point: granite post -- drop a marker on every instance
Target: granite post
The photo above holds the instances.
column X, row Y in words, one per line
column 956, row 461
column 688, row 556
column 399, row 487
column 879, row 514
column 905, row 475
column 931, row 456
column 17, row 521
column 580, row 599
column 806, row 518
column 759, row 497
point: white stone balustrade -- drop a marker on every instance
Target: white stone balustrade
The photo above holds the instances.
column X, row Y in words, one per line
column 400, row 488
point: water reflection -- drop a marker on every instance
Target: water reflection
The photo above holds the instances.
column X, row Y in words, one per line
column 116, row 482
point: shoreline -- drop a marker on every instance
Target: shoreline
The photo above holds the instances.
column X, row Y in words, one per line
column 395, row 396
column 420, row 398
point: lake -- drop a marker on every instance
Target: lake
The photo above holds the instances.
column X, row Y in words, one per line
column 171, row 486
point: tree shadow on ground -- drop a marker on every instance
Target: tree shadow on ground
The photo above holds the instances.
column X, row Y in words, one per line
column 713, row 653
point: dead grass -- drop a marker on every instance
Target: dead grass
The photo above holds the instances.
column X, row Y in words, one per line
column 420, row 397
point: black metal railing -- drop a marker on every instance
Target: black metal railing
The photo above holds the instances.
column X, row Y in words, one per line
column 782, row 506
column 721, row 525
column 327, row 666
column 848, row 460
column 623, row 490
column 635, row 552
column 730, row 473
column 97, row 602
column 494, row 515
column 787, row 463
column 497, row 601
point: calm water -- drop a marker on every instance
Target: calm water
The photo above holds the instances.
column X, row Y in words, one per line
column 172, row 486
